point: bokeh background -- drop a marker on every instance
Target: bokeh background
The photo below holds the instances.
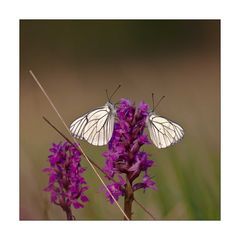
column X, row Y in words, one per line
column 77, row 60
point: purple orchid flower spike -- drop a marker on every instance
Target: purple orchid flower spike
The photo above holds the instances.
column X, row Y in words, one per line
column 66, row 184
column 124, row 154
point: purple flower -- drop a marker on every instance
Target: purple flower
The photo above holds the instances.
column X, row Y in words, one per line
column 146, row 183
column 116, row 189
column 124, row 154
column 66, row 185
column 149, row 183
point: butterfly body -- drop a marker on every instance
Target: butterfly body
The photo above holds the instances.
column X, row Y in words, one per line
column 96, row 127
column 163, row 132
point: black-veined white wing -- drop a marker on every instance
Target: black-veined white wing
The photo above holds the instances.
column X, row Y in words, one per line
column 96, row 127
column 163, row 132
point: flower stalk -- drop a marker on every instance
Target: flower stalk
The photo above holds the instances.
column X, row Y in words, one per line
column 69, row 214
column 128, row 199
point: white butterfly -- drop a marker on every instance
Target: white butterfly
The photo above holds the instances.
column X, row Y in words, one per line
column 96, row 127
column 163, row 132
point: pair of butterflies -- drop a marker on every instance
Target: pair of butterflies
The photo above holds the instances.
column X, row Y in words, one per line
column 96, row 127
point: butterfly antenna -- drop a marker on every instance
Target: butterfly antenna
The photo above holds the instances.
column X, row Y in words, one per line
column 153, row 101
column 114, row 92
column 158, row 102
column 107, row 95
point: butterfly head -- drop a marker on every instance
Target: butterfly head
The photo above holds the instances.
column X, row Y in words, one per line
column 149, row 116
column 111, row 107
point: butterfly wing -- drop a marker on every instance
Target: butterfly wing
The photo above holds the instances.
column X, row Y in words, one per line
column 96, row 127
column 78, row 126
column 163, row 132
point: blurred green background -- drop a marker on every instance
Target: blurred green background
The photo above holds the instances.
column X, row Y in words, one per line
column 77, row 60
